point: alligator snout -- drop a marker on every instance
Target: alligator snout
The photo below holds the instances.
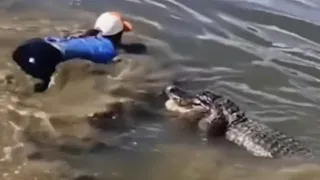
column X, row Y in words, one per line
column 174, row 92
column 171, row 89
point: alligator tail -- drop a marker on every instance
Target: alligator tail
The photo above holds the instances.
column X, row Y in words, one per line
column 261, row 140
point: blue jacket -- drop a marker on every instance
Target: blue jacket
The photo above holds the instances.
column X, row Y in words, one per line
column 94, row 48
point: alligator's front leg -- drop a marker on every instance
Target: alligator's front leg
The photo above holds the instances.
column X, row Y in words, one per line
column 214, row 124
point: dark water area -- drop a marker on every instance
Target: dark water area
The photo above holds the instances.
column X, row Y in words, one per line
column 261, row 54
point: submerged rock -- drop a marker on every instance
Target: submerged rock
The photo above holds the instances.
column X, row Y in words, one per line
column 115, row 117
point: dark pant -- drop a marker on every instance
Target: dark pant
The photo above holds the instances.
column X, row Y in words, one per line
column 37, row 58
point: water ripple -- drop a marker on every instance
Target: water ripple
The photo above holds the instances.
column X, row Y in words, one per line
column 262, row 54
column 245, row 88
column 194, row 13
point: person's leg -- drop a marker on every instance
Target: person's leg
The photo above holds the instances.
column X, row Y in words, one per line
column 37, row 58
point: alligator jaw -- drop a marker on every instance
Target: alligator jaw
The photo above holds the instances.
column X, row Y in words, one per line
column 171, row 105
column 181, row 101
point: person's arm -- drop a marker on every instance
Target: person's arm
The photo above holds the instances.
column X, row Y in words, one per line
column 133, row 48
column 89, row 32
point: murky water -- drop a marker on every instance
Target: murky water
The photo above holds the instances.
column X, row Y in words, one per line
column 261, row 54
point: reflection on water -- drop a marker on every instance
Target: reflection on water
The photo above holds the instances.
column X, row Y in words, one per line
column 262, row 54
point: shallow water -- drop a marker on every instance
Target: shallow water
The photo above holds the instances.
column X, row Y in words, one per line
column 261, row 54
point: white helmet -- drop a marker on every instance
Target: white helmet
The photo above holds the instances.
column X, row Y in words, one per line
column 111, row 23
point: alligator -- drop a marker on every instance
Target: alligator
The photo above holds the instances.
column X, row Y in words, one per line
column 217, row 116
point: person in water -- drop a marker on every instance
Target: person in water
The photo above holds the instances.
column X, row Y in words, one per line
column 39, row 57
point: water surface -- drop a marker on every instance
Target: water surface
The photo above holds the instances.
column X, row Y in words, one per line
column 262, row 54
